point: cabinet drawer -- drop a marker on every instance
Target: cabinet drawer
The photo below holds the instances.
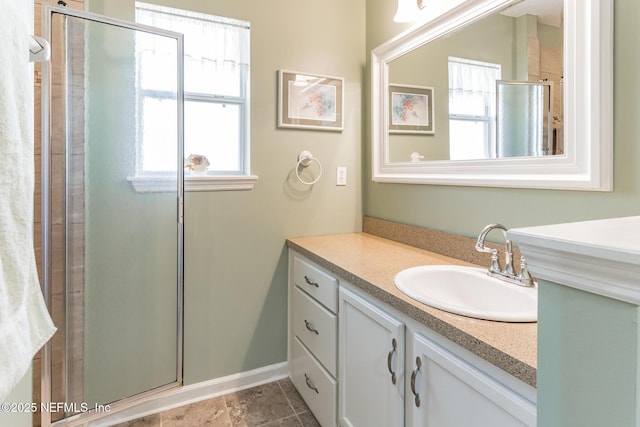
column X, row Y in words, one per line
column 315, row 385
column 316, row 327
column 315, row 282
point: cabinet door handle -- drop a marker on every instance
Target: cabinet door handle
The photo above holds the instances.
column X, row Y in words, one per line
column 414, row 374
column 310, row 327
column 310, row 282
column 394, row 344
column 310, row 384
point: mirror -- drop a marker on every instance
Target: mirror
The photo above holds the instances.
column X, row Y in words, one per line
column 486, row 93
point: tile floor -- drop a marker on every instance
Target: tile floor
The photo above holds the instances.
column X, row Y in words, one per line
column 274, row 404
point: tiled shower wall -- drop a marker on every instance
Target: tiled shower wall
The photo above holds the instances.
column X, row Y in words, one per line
column 546, row 63
column 66, row 214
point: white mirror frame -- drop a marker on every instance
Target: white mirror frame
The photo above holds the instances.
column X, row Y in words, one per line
column 588, row 102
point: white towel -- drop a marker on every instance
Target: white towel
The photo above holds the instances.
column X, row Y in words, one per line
column 25, row 325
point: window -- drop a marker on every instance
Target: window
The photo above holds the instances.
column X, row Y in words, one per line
column 216, row 97
column 472, row 108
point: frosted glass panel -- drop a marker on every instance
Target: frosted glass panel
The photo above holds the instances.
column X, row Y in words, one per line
column 131, row 238
column 116, row 253
column 523, row 119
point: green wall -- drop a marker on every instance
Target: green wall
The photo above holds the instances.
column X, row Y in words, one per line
column 235, row 258
column 578, row 331
column 466, row 210
column 21, row 394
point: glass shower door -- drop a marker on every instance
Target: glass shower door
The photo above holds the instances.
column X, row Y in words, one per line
column 112, row 227
column 524, row 118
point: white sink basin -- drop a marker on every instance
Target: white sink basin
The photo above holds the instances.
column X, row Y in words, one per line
column 469, row 291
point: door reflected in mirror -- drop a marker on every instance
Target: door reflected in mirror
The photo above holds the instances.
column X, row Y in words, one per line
column 524, row 126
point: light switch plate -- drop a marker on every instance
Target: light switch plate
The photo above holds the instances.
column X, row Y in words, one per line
column 341, row 175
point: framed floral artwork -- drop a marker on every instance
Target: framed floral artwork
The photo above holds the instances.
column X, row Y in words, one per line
column 310, row 101
column 411, row 109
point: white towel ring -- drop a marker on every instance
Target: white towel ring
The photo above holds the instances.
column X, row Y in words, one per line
column 305, row 158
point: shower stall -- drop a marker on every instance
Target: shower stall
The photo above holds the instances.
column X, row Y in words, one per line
column 524, row 119
column 112, row 203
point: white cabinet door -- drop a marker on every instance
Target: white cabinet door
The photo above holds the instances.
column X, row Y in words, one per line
column 447, row 391
column 371, row 365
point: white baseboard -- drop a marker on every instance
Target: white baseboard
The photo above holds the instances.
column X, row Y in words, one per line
column 193, row 393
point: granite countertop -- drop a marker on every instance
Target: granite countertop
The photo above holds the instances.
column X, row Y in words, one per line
column 370, row 263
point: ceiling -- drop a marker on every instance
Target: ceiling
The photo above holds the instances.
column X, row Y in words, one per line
column 549, row 12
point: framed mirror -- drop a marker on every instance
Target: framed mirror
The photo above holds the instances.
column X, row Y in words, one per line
column 500, row 93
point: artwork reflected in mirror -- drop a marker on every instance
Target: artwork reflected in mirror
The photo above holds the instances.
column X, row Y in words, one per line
column 476, row 116
column 411, row 109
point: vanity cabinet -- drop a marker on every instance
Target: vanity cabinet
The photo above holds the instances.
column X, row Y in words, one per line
column 371, row 364
column 313, row 323
column 444, row 385
column 359, row 362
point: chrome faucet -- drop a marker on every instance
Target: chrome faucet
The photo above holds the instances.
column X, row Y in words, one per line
column 523, row 278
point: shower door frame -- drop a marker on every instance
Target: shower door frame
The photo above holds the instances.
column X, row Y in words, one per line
column 46, row 376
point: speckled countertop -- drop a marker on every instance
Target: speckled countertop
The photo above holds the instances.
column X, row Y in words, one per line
column 371, row 262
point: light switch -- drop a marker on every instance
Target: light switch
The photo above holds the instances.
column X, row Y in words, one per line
column 341, row 175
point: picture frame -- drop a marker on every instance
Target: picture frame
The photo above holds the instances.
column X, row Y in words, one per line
column 310, row 101
column 411, row 109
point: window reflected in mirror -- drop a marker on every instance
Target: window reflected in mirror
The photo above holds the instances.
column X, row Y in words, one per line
column 472, row 108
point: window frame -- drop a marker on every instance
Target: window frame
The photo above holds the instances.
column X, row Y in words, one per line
column 240, row 179
column 488, row 118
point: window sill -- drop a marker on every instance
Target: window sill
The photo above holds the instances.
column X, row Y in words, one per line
column 160, row 184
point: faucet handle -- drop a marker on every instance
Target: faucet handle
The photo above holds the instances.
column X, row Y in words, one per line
column 524, row 277
column 495, row 263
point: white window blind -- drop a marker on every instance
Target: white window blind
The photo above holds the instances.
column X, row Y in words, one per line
column 216, row 85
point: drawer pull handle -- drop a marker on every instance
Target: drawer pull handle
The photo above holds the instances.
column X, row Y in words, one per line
column 414, row 374
column 394, row 344
column 310, row 282
column 310, row 384
column 310, row 327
